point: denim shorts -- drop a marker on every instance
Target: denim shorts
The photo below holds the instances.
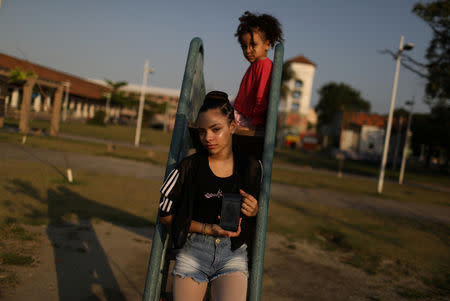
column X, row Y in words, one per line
column 204, row 258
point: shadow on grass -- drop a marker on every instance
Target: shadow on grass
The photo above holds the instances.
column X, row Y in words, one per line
column 82, row 266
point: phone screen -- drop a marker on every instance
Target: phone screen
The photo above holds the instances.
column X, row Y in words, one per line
column 231, row 211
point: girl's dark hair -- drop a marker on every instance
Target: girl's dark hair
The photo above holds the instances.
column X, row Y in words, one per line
column 267, row 24
column 218, row 100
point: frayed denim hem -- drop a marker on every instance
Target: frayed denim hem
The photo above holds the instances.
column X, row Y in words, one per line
column 183, row 276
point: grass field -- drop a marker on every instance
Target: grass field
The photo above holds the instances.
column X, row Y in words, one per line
column 110, row 132
column 308, row 179
column 315, row 160
column 361, row 186
column 414, row 172
column 33, row 193
column 399, row 248
column 89, row 148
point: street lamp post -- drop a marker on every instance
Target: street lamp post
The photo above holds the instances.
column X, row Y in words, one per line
column 141, row 104
column 408, row 46
column 406, row 145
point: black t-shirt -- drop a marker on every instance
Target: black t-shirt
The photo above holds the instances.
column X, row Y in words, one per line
column 191, row 192
column 210, row 189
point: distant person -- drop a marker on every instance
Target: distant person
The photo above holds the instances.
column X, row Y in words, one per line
column 256, row 34
column 191, row 206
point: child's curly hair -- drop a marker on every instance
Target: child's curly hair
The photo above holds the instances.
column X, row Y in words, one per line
column 266, row 24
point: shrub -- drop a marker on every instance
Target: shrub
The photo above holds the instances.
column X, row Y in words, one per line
column 99, row 118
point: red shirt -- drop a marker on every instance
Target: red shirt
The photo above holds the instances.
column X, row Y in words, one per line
column 253, row 96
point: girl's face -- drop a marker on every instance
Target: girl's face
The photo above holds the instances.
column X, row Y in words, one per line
column 256, row 49
column 215, row 131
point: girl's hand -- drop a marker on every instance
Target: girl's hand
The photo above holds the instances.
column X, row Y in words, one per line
column 249, row 204
column 216, row 230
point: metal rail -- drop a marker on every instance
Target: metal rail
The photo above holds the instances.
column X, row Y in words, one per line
column 191, row 97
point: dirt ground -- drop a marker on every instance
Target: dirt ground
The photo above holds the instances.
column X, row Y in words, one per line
column 102, row 261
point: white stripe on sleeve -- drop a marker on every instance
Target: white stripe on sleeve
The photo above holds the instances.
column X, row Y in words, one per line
column 166, row 200
column 169, row 206
column 163, row 202
column 166, row 188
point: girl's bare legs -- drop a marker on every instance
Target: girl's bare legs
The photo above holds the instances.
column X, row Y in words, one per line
column 188, row 289
column 229, row 287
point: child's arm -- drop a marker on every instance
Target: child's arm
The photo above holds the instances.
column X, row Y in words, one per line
column 262, row 86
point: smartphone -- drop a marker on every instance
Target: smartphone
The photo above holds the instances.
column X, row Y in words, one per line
column 231, row 211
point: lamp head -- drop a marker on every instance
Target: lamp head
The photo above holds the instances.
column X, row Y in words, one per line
column 408, row 46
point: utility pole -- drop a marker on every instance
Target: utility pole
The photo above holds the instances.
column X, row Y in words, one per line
column 406, row 145
column 408, row 46
column 137, row 138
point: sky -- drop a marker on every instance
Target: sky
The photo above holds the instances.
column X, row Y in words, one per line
column 112, row 39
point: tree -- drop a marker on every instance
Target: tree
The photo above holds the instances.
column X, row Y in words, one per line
column 340, row 97
column 401, row 112
column 431, row 130
column 18, row 75
column 152, row 108
column 437, row 15
column 117, row 96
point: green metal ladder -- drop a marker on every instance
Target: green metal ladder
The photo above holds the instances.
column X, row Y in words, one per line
column 191, row 98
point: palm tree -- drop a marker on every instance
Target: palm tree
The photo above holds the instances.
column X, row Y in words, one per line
column 115, row 86
column 117, row 96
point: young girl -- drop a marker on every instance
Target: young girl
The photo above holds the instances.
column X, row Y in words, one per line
column 256, row 34
column 191, row 202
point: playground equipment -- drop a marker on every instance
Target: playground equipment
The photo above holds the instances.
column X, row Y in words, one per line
column 191, row 98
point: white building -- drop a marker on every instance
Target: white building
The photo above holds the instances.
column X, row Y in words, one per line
column 300, row 86
column 295, row 111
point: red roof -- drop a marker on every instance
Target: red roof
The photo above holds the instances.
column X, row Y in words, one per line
column 301, row 59
column 78, row 86
column 362, row 118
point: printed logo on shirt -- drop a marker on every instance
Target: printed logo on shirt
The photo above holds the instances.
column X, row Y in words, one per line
column 218, row 194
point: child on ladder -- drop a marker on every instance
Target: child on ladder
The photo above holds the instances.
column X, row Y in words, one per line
column 256, row 34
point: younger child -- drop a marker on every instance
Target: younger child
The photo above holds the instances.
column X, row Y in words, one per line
column 256, row 34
